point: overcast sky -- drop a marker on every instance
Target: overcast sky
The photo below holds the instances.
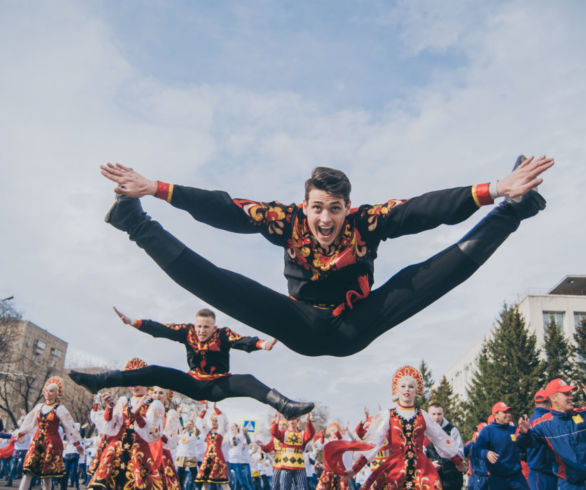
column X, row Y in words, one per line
column 248, row 97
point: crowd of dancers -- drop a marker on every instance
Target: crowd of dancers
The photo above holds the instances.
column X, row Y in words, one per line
column 142, row 442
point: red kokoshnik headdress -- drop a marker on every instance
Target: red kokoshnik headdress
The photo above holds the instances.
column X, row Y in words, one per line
column 135, row 363
column 408, row 372
column 55, row 380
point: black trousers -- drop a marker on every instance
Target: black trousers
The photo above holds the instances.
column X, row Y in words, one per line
column 302, row 327
column 231, row 386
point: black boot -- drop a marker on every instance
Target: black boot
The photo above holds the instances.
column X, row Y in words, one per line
column 95, row 382
column 481, row 242
column 127, row 215
column 289, row 408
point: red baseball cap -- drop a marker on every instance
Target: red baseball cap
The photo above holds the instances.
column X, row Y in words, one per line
column 540, row 396
column 500, row 407
column 558, row 385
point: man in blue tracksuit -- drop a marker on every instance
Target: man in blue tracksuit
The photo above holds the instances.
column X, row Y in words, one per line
column 563, row 430
column 478, row 479
column 497, row 444
column 540, row 458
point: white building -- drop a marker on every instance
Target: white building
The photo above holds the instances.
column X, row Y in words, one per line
column 565, row 304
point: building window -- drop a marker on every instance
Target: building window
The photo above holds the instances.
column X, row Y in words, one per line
column 579, row 317
column 55, row 352
column 39, row 347
column 556, row 317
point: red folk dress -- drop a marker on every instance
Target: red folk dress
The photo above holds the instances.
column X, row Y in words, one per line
column 126, row 462
column 45, row 455
column 400, row 432
column 161, row 451
column 213, row 468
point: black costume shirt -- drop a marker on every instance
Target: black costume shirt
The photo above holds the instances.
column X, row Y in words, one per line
column 207, row 360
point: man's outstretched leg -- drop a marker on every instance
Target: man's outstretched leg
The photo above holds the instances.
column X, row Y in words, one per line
column 230, row 386
column 419, row 285
column 293, row 323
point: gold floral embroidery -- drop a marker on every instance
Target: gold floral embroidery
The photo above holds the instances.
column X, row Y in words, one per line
column 380, row 210
column 273, row 215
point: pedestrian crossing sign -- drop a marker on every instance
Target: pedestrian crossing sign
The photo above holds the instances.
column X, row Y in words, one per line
column 249, row 426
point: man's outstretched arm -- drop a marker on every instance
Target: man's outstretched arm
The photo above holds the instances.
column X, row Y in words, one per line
column 171, row 331
column 215, row 208
column 450, row 206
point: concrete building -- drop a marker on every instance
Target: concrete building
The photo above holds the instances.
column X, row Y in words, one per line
column 29, row 355
column 565, row 305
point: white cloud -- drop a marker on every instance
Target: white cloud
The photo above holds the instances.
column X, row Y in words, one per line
column 72, row 99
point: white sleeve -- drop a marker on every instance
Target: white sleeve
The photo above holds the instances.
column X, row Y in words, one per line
column 111, row 427
column 172, row 430
column 153, row 427
column 68, row 424
column 29, row 424
column 457, row 439
column 202, row 426
column 443, row 444
column 222, row 424
column 377, row 434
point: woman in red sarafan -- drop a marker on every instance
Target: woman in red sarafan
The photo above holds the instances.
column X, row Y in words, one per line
column 126, row 462
column 401, row 432
column 161, row 449
column 45, row 455
column 213, row 468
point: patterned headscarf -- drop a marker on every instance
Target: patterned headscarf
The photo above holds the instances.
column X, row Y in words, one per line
column 135, row 363
column 408, row 372
column 57, row 381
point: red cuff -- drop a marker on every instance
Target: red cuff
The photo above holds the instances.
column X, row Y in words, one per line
column 141, row 422
column 164, row 438
column 218, row 411
column 362, row 461
column 457, row 459
column 202, row 414
column 259, row 344
column 108, row 413
column 137, row 324
column 481, row 194
column 164, row 191
column 76, row 443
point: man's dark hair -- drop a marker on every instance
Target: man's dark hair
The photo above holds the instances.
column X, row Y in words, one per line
column 330, row 180
column 436, row 405
column 206, row 313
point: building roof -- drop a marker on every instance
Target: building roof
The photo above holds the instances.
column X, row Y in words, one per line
column 571, row 285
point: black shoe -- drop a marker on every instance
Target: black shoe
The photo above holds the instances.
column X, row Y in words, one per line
column 125, row 213
column 288, row 408
column 86, row 380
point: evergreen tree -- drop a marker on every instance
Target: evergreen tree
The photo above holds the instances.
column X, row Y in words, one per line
column 579, row 364
column 558, row 353
column 423, row 401
column 508, row 369
column 444, row 395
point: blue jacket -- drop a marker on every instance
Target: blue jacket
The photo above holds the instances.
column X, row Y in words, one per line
column 540, row 457
column 502, row 439
column 477, row 463
column 565, row 434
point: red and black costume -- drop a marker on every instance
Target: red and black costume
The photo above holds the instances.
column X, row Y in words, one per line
column 331, row 309
column 127, row 461
column 44, row 457
column 208, row 377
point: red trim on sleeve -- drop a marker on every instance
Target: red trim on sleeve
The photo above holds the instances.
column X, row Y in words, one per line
column 164, row 191
column 481, row 194
column 362, row 461
column 108, row 413
column 141, row 422
column 259, row 344
column 457, row 459
column 137, row 324
column 76, row 443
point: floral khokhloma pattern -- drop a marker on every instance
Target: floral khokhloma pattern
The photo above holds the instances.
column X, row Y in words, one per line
column 213, row 468
column 126, row 462
column 45, row 455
